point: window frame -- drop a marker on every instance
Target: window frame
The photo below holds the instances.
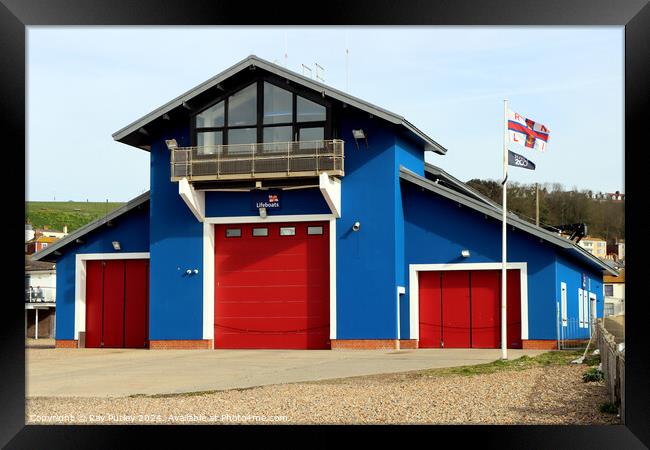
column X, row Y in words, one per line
column 260, row 125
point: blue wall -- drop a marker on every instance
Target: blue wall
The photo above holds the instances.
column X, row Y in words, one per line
column 570, row 272
column 176, row 299
column 437, row 229
column 295, row 201
column 365, row 275
column 131, row 230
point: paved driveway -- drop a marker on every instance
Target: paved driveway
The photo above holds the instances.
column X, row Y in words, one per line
column 116, row 373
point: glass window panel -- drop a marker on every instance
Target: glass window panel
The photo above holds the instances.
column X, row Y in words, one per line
column 309, row 111
column 211, row 117
column 314, row 230
column 242, row 107
column 278, row 105
column 287, row 231
column 260, row 231
column 207, row 142
column 307, row 135
column 311, row 134
column 241, row 136
column 280, row 135
column 233, row 232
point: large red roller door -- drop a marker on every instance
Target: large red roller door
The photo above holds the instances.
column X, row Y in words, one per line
column 462, row 309
column 116, row 303
column 272, row 286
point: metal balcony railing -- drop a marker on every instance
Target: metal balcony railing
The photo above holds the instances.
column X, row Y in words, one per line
column 257, row 161
column 38, row 294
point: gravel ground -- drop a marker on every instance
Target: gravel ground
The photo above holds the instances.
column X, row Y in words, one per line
column 540, row 395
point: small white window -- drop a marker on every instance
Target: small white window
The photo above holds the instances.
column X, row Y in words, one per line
column 563, row 305
column 287, row 231
column 581, row 304
column 314, row 230
column 260, row 231
column 233, row 232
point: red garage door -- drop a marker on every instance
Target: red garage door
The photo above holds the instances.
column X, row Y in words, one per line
column 272, row 286
column 117, row 294
column 461, row 309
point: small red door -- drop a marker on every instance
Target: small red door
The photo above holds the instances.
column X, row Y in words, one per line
column 272, row 286
column 117, row 303
column 513, row 309
column 113, row 317
column 455, row 309
column 94, row 303
column 430, row 299
column 136, row 294
column 486, row 324
column 462, row 309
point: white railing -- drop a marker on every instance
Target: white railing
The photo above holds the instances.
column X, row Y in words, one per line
column 38, row 294
column 262, row 160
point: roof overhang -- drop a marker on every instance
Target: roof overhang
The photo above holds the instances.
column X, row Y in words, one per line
column 126, row 134
column 513, row 220
column 50, row 253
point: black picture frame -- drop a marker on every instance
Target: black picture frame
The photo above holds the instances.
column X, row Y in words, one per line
column 634, row 15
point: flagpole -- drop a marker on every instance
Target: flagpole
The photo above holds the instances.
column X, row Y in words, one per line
column 504, row 284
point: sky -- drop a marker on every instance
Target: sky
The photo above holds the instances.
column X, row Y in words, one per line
column 85, row 83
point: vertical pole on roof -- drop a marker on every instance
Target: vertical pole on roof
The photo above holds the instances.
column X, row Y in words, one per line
column 537, row 204
column 504, row 284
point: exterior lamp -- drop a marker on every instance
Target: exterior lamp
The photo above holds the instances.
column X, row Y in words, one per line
column 116, row 246
column 359, row 134
column 171, row 144
column 464, row 253
column 262, row 212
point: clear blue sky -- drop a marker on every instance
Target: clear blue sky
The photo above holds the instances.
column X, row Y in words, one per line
column 85, row 83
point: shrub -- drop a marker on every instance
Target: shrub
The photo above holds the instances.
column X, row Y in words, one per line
column 609, row 408
column 593, row 374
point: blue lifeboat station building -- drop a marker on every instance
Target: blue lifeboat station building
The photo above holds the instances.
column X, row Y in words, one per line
column 283, row 213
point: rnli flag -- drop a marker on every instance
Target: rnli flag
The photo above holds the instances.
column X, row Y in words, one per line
column 515, row 159
column 526, row 132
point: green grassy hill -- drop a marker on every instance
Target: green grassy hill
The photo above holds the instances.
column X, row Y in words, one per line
column 73, row 214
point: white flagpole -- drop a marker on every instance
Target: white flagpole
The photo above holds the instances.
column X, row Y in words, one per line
column 504, row 284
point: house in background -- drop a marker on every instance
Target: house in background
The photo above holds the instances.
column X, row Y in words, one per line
column 40, row 299
column 614, row 294
column 595, row 246
column 283, row 213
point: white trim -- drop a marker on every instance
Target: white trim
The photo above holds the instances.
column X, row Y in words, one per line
column 414, row 291
column 195, row 200
column 400, row 290
column 268, row 219
column 331, row 190
column 332, row 232
column 208, row 249
column 563, row 305
column 208, row 281
column 80, row 283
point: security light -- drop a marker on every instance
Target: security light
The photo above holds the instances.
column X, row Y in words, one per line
column 262, row 212
column 464, row 253
column 358, row 134
column 356, row 226
column 116, row 246
column 171, row 144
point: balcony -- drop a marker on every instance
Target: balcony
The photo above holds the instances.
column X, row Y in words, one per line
column 258, row 161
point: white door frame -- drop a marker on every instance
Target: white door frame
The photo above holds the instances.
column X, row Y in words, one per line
column 414, row 289
column 80, row 283
column 208, row 261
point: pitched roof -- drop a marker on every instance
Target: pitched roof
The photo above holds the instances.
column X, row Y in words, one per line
column 128, row 131
column 31, row 266
column 455, row 184
column 512, row 219
column 47, row 252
